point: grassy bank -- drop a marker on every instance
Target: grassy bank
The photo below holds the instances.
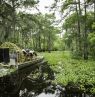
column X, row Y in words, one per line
column 78, row 72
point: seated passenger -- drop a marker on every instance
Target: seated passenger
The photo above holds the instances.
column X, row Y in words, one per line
column 24, row 52
column 29, row 54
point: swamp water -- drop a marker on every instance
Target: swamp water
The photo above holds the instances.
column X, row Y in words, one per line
column 40, row 89
column 44, row 88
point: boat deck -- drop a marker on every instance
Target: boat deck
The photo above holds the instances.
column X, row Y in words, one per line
column 6, row 69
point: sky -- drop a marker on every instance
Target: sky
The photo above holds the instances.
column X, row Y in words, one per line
column 43, row 4
column 47, row 3
column 42, row 8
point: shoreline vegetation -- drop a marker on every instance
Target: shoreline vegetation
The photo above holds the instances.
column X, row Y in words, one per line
column 77, row 73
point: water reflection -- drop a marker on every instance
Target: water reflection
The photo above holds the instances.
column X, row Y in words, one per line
column 42, row 88
column 35, row 89
column 46, row 89
column 46, row 95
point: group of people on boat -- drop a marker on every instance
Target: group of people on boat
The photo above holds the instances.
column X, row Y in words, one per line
column 29, row 54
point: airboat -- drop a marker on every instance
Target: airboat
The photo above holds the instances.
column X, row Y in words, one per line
column 14, row 69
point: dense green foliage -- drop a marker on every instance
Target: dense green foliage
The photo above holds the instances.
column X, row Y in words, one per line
column 79, row 26
column 34, row 31
column 79, row 72
column 11, row 46
column 39, row 32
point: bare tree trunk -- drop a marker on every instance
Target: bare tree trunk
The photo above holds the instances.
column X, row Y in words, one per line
column 49, row 43
column 79, row 31
column 85, row 37
column 78, row 26
column 94, row 10
column 44, row 42
column 14, row 19
column 36, row 42
column 39, row 42
column 33, row 43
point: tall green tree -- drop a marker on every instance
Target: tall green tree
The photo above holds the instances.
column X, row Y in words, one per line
column 8, row 15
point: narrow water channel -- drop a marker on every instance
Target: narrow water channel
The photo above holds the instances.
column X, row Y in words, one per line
column 43, row 89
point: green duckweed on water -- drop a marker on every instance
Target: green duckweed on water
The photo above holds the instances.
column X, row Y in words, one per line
column 68, row 70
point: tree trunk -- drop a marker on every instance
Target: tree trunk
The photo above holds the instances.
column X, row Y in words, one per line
column 14, row 19
column 33, row 43
column 44, row 46
column 36, row 42
column 94, row 10
column 49, row 43
column 85, row 37
column 79, row 31
column 39, row 42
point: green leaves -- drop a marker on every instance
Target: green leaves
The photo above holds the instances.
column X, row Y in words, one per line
column 30, row 3
column 66, row 4
column 77, row 73
column 93, row 26
column 91, row 38
column 70, row 21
